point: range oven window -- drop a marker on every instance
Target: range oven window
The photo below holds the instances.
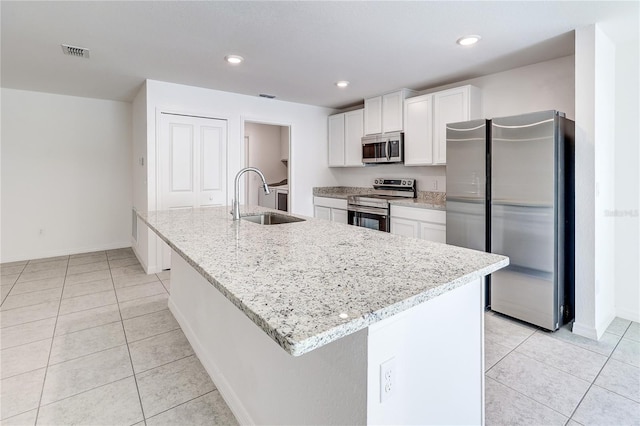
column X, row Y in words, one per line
column 378, row 222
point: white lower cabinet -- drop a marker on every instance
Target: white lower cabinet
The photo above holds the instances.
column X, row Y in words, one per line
column 332, row 209
column 405, row 227
column 322, row 212
column 339, row 215
column 421, row 223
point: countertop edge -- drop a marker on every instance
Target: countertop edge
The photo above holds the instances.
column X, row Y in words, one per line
column 358, row 324
column 335, row 333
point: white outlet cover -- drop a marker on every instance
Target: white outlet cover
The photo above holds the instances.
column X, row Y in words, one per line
column 387, row 379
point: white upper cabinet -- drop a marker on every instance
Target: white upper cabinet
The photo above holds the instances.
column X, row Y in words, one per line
column 452, row 106
column 345, row 139
column 336, row 140
column 384, row 113
column 373, row 115
column 353, row 133
column 426, row 118
column 418, row 131
column 392, row 109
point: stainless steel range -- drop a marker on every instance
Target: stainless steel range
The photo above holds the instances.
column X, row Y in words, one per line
column 372, row 210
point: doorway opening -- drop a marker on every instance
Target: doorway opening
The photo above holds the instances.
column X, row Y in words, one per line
column 267, row 148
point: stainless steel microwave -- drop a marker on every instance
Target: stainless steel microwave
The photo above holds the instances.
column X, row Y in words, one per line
column 386, row 148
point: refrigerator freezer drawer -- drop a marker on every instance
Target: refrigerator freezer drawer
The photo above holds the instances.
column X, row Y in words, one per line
column 525, row 234
column 527, row 297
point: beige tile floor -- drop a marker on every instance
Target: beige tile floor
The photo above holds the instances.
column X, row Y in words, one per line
column 88, row 339
column 534, row 377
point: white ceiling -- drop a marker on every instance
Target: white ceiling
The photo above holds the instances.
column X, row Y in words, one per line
column 294, row 50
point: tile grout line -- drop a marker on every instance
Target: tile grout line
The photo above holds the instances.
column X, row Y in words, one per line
column 215, row 389
column 167, row 363
column 586, row 348
column 512, row 350
column 35, row 304
column 51, row 346
column 529, row 398
column 598, row 375
column 14, row 283
column 84, row 391
column 33, row 291
column 133, row 371
column 516, row 390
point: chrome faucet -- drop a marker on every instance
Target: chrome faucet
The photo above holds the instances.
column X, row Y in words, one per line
column 236, row 203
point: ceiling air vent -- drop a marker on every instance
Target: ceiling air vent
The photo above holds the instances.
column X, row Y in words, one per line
column 80, row 52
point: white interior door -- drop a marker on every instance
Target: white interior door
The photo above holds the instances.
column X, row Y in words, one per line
column 192, row 162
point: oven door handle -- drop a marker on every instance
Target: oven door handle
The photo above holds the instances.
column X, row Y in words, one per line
column 359, row 209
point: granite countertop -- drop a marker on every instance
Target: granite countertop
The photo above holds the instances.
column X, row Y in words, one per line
column 423, row 200
column 296, row 281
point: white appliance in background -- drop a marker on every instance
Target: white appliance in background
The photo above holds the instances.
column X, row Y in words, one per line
column 278, row 198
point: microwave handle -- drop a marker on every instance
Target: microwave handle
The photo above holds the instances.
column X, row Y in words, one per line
column 388, row 150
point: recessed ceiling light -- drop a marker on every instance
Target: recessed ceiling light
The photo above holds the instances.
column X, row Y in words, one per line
column 468, row 40
column 234, row 59
column 342, row 84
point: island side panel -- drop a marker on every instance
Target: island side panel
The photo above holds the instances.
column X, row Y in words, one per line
column 261, row 383
column 438, row 352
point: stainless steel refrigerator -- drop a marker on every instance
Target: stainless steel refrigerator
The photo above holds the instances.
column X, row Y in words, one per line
column 510, row 190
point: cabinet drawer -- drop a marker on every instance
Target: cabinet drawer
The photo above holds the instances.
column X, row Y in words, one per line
column 335, row 203
column 416, row 213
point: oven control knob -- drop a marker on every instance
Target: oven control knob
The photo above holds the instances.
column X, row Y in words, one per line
column 376, row 181
column 404, row 182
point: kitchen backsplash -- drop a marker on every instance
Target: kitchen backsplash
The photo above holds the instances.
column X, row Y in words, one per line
column 430, row 178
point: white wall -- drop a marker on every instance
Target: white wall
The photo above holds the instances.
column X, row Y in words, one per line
column 264, row 153
column 142, row 244
column 627, row 181
column 543, row 86
column 66, row 175
column 595, row 92
column 425, row 177
column 307, row 157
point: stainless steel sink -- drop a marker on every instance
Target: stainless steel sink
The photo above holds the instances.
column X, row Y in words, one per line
column 271, row 218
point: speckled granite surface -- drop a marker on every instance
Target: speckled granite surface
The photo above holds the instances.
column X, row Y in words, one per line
column 295, row 280
column 424, row 199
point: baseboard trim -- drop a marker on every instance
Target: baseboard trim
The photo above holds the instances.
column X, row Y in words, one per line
column 585, row 331
column 67, row 252
column 628, row 314
column 223, row 386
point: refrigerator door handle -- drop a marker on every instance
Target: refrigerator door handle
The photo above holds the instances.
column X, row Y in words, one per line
column 518, row 204
column 471, row 200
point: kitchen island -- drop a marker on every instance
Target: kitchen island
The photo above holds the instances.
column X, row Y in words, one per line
column 316, row 322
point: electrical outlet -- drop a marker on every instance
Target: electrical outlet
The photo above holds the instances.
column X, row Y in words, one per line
column 387, row 379
column 435, row 184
